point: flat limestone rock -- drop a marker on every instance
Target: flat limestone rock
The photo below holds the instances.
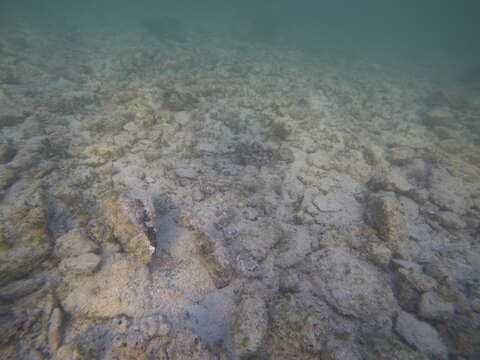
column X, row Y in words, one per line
column 433, row 307
column 31, row 247
column 132, row 218
column 449, row 192
column 352, row 286
column 250, row 327
column 117, row 288
column 421, row 336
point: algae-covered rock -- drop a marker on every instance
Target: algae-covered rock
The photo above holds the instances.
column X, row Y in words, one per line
column 216, row 259
column 29, row 243
column 73, row 243
column 133, row 220
column 79, row 265
column 74, row 101
column 384, row 215
column 298, row 327
column 99, row 154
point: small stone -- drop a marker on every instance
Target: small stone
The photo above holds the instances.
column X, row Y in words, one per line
column 319, row 159
column 420, row 336
column 380, row 254
column 418, row 280
column 453, row 146
column 187, row 173
column 373, row 155
column 136, row 341
column 65, row 352
column 286, row 154
column 26, row 157
column 178, row 101
column 163, row 329
column 5, row 310
column 208, row 189
column 98, row 154
column 391, row 181
column 401, row 156
column 248, row 266
column 131, row 127
column 433, row 307
column 198, row 195
column 420, row 196
column 406, row 265
column 55, row 329
column 475, row 305
column 289, row 281
column 438, row 272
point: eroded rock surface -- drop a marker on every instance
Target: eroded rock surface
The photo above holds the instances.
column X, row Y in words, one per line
column 175, row 197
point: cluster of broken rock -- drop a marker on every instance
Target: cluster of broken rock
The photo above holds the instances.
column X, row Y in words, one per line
column 207, row 215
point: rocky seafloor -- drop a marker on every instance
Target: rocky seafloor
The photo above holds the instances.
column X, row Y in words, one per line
column 209, row 199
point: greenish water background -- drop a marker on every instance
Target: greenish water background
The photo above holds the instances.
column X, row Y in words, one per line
column 432, row 32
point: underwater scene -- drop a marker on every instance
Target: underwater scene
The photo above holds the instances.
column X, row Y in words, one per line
column 239, row 179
